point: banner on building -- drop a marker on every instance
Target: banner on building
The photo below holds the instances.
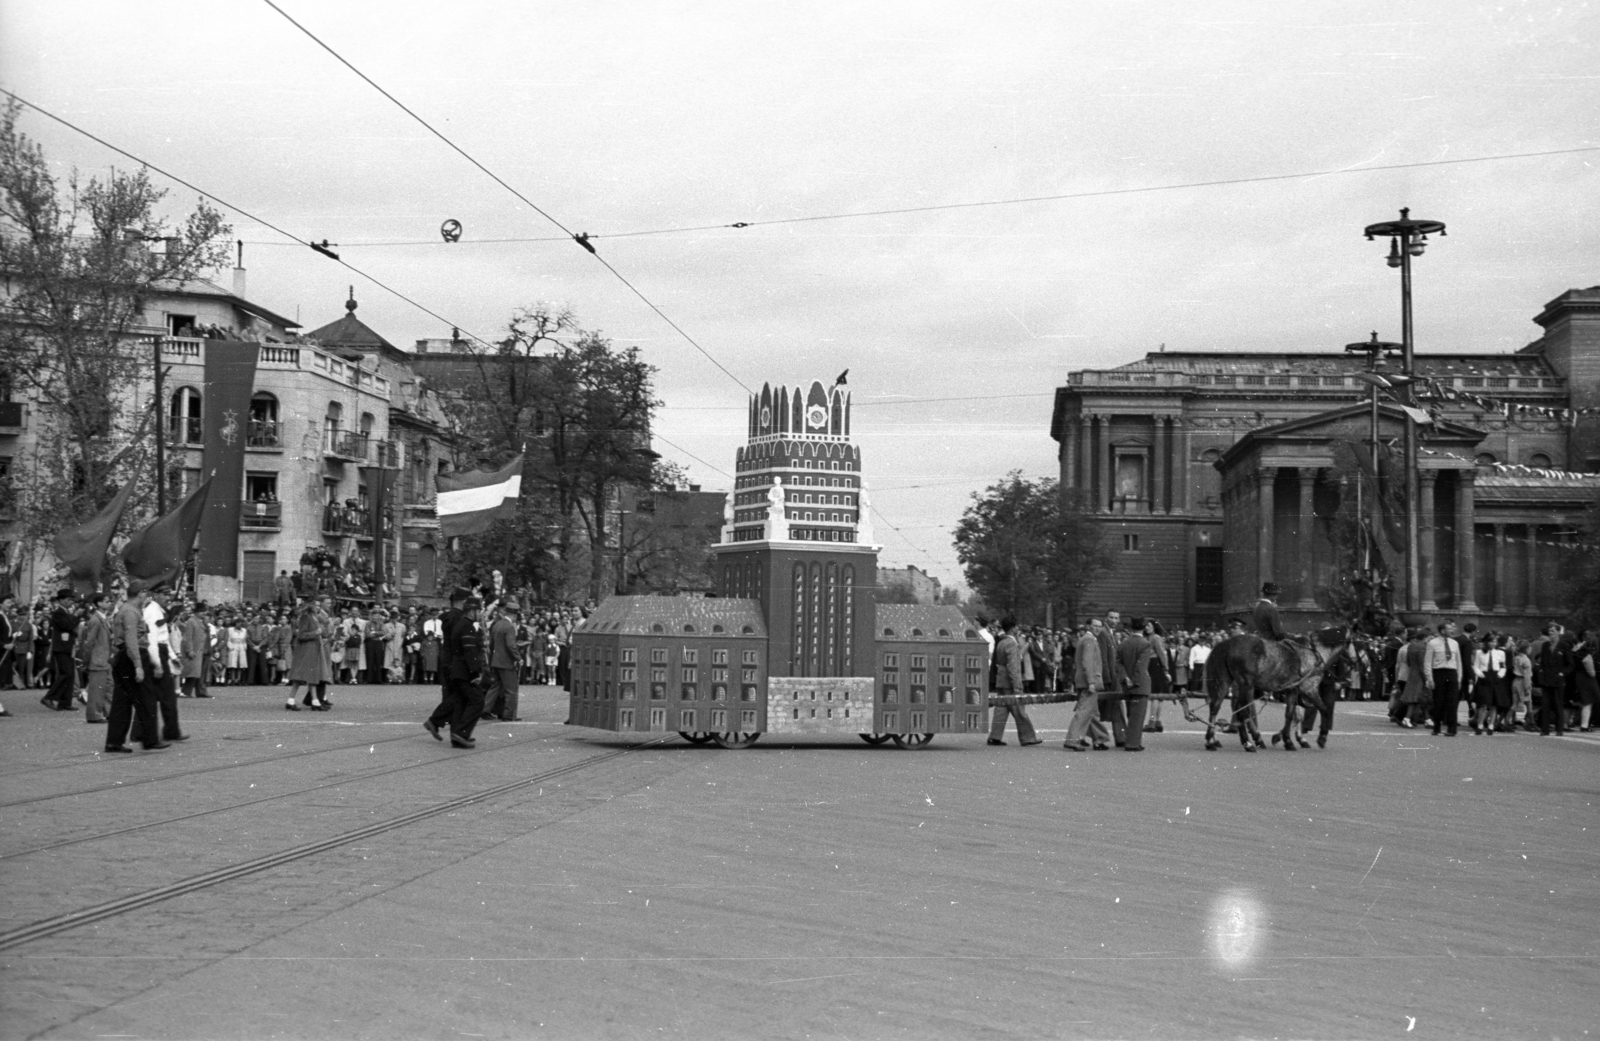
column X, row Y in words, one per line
column 380, row 498
column 469, row 503
column 230, row 382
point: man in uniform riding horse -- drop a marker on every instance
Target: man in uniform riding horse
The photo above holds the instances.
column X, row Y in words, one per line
column 1265, row 615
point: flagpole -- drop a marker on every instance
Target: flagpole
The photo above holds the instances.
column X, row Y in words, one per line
column 161, row 435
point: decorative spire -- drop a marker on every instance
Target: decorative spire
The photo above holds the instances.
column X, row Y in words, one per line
column 350, row 304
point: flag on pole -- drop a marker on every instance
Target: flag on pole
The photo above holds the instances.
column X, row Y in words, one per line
column 83, row 548
column 469, row 503
column 157, row 553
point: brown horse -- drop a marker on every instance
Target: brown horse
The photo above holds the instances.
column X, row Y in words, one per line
column 1246, row 667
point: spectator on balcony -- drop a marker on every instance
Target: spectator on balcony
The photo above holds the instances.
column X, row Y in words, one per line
column 283, row 589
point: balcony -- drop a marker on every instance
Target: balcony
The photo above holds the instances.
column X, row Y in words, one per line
column 346, row 444
column 12, row 417
column 263, row 433
column 261, row 516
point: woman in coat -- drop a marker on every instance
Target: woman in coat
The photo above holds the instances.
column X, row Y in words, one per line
column 394, row 653
column 1585, row 684
column 1414, row 694
column 311, row 667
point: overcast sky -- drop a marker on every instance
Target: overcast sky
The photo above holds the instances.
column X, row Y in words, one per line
column 620, row 117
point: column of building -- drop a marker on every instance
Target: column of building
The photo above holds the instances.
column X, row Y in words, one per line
column 1265, row 506
column 1306, row 538
column 1427, row 538
column 1466, row 551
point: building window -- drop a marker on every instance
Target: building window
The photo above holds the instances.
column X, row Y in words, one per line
column 1130, row 478
column 1130, row 543
column 1486, row 459
column 1208, row 574
column 263, row 430
column 261, row 487
column 1539, row 460
column 184, row 421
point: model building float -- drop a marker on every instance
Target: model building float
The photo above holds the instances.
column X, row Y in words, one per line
column 792, row 643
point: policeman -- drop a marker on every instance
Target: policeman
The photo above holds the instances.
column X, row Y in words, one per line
column 466, row 665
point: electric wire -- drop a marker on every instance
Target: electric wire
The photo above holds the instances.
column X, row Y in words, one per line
column 235, row 208
column 582, row 240
column 1022, row 200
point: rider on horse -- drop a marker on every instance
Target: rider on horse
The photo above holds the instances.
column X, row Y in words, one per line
column 1265, row 615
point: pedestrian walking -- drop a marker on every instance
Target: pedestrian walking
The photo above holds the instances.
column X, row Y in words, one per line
column 1009, row 679
column 1087, row 677
column 63, row 633
column 93, row 653
column 311, row 667
column 133, row 696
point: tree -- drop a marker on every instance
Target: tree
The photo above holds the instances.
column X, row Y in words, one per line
column 580, row 409
column 78, row 271
column 1580, row 587
column 1025, row 544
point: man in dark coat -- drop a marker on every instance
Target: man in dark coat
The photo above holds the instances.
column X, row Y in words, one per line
column 1113, row 679
column 466, row 665
column 504, row 663
column 1133, row 655
column 63, row 638
column 1550, row 673
column 445, row 711
column 133, row 692
column 1265, row 614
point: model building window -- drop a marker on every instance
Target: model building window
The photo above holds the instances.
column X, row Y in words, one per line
column 626, row 691
column 627, row 673
column 747, row 692
column 691, row 674
column 1130, row 543
column 973, row 663
column 719, row 692
column 658, row 674
column 686, row 720
column 947, row 679
column 919, row 661
column 658, row 655
column 691, row 656
column 748, row 675
column 690, row 692
column 719, row 675
column 750, row 658
column 891, row 661
column 919, row 679
column 947, row 661
column 719, row 657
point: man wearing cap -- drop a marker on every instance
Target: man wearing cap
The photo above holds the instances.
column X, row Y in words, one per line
column 446, row 709
column 132, row 692
column 94, row 655
column 1265, row 614
column 63, row 637
column 505, row 659
column 466, row 666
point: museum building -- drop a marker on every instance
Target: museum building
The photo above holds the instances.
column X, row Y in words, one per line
column 1212, row 472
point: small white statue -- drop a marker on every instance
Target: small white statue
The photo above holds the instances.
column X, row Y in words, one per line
column 727, row 517
column 777, row 516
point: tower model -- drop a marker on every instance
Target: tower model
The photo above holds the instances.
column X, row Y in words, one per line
column 793, row 641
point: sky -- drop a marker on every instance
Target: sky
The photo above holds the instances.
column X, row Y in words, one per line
column 955, row 323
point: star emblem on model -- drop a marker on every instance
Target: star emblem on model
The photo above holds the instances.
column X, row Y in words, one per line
column 230, row 426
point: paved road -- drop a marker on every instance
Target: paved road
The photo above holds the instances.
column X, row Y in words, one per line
column 1395, row 885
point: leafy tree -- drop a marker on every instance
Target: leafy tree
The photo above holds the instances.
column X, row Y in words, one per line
column 78, row 269
column 1025, row 543
column 581, row 410
column 1580, row 587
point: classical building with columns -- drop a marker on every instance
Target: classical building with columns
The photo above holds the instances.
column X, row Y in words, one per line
column 1213, row 472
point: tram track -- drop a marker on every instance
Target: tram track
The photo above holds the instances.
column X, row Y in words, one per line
column 120, row 785
column 109, row 909
column 337, row 782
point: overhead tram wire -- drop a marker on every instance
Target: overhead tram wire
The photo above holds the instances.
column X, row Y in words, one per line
column 580, row 239
column 225, row 204
column 934, row 207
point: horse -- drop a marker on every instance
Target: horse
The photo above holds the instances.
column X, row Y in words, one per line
column 1246, row 666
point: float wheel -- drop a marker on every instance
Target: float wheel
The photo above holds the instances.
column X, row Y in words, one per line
column 874, row 739
column 913, row 740
column 698, row 737
column 737, row 739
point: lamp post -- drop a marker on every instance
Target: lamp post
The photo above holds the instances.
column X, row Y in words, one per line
column 1408, row 238
column 129, row 237
column 1375, row 350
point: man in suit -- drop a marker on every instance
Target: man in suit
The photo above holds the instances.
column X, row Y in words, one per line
column 1112, row 678
column 1134, row 654
column 1088, row 677
column 133, row 692
column 283, row 589
column 196, row 654
column 446, row 709
column 1008, row 654
column 94, row 656
column 1550, row 671
column 7, row 657
column 505, row 663
column 466, row 666
column 63, row 638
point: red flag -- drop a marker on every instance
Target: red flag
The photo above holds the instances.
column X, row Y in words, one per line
column 157, row 553
column 83, row 548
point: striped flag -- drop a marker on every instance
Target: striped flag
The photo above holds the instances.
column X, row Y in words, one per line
column 469, row 503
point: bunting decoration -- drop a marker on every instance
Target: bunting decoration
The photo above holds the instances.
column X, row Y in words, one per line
column 1517, row 469
column 1433, row 390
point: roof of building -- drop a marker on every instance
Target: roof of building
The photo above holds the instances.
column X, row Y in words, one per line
column 1280, row 363
column 1528, row 488
column 674, row 615
column 207, row 288
column 351, row 331
column 923, row 622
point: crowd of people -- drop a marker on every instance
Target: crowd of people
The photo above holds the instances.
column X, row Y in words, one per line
column 306, row 638
column 1544, row 684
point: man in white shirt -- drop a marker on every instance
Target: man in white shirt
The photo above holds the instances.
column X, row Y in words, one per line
column 161, row 658
column 1441, row 672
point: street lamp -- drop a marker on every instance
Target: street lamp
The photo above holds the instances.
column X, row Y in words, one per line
column 1375, row 350
column 1408, row 238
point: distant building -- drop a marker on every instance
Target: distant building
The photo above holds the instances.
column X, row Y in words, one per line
column 922, row 587
column 1142, row 442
